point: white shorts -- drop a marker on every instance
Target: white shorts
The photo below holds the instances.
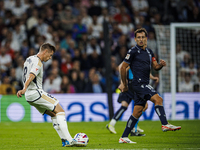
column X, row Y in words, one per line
column 44, row 102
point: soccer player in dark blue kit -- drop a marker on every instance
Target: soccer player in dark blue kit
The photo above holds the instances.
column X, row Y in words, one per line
column 140, row 60
column 125, row 98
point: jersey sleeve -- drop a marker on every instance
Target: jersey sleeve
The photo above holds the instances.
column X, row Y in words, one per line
column 36, row 67
column 153, row 56
column 129, row 56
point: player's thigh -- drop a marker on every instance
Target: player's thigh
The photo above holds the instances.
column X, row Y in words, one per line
column 58, row 109
column 44, row 103
column 144, row 91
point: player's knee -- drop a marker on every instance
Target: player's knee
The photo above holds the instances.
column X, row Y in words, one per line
column 137, row 112
column 125, row 104
column 159, row 101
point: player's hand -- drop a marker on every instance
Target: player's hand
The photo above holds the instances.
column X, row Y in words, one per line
column 123, row 88
column 156, row 79
column 20, row 93
column 162, row 62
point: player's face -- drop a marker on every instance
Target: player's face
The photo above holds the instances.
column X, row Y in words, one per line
column 47, row 55
column 141, row 39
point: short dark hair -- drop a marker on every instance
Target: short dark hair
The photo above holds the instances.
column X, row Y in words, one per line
column 140, row 30
column 47, row 46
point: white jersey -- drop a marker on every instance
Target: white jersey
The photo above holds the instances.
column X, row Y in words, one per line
column 33, row 65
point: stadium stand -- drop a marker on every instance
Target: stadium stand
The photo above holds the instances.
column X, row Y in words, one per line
column 75, row 28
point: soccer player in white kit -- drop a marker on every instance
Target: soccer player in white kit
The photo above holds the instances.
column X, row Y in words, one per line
column 42, row 101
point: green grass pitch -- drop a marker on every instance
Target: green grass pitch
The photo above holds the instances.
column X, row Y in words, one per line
column 42, row 136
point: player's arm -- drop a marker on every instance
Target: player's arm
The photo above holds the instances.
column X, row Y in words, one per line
column 154, row 78
column 122, row 71
column 121, row 83
column 157, row 66
column 26, row 84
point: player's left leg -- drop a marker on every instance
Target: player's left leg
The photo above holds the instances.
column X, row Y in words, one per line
column 158, row 101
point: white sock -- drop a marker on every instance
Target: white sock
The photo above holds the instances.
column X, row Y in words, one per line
column 56, row 127
column 113, row 122
column 62, row 124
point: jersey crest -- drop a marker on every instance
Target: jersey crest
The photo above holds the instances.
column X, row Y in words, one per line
column 127, row 56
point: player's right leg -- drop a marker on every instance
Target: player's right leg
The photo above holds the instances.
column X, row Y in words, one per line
column 124, row 100
column 136, row 131
column 56, row 126
column 49, row 105
column 158, row 101
column 67, row 140
column 137, row 112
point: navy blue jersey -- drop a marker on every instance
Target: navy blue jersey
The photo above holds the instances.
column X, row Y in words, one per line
column 140, row 64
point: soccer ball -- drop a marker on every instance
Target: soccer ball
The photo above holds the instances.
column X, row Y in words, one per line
column 82, row 139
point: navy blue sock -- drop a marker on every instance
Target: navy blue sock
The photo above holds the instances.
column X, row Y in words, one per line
column 129, row 126
column 161, row 114
column 119, row 113
column 136, row 125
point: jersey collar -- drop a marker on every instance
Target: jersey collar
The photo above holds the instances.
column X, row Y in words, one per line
column 139, row 48
column 39, row 58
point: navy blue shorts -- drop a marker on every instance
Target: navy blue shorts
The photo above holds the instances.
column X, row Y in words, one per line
column 143, row 93
column 125, row 96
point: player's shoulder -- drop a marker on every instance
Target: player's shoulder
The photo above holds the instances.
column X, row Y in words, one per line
column 34, row 59
column 132, row 49
column 150, row 50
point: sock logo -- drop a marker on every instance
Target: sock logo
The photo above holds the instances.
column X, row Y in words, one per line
column 158, row 112
column 129, row 123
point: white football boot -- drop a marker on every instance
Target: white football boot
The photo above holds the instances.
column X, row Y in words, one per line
column 111, row 128
column 125, row 140
column 170, row 127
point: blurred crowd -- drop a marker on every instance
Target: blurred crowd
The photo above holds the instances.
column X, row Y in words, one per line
column 75, row 27
column 188, row 70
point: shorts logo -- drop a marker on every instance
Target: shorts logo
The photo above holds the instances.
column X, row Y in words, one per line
column 127, row 56
column 36, row 69
column 150, row 88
